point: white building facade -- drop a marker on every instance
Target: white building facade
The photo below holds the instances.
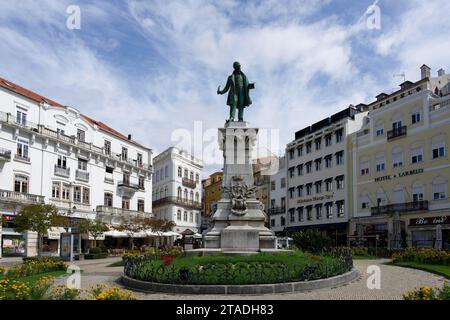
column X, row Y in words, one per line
column 317, row 184
column 53, row 154
column 177, row 189
column 278, row 193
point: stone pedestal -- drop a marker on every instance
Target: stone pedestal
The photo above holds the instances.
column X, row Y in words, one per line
column 238, row 231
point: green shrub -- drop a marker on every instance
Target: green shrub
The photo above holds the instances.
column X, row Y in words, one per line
column 92, row 256
column 422, row 255
column 34, row 267
column 95, row 250
column 311, row 240
column 41, row 259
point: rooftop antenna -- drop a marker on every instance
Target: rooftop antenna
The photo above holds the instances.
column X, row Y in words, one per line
column 403, row 75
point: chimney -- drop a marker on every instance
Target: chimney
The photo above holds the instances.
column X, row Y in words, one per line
column 441, row 72
column 425, row 71
column 129, row 137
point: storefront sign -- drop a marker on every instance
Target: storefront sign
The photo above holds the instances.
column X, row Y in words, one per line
column 430, row 221
column 326, row 197
column 399, row 175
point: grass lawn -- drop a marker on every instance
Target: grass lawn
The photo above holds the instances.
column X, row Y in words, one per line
column 365, row 257
column 433, row 268
column 116, row 264
column 32, row 279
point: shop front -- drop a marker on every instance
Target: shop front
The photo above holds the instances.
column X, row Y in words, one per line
column 335, row 231
column 430, row 232
column 13, row 244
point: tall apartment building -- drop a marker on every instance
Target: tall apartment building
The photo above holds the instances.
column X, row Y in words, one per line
column 50, row 153
column 277, row 195
column 317, row 182
column 402, row 168
column 177, row 189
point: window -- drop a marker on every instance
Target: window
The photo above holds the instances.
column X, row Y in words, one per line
column 380, row 167
column 300, row 191
column 380, row 162
column 141, row 182
column 108, row 199
column 272, row 222
column 318, row 187
column 292, row 215
column 61, row 162
column 318, row 164
column 272, row 203
column 328, row 161
column 107, row 147
column 364, row 166
column 283, row 183
column 109, row 170
column 283, row 221
column 300, row 151
column 364, row 200
column 309, row 189
column 300, row 213
column 126, row 178
column 397, row 158
column 81, row 135
column 308, row 147
column 197, row 197
column 340, row 208
column 196, row 217
column 283, row 202
column 291, row 154
column 340, row 182
column 180, row 171
column 291, row 193
column 125, row 203
column 22, row 149
column 415, row 118
column 339, row 135
column 197, row 178
column 186, row 173
column 340, row 158
column 186, row 195
column 318, row 143
column 139, row 159
column 309, row 167
column 21, row 117
column 185, row 216
column 65, row 192
column 329, row 210
column 329, row 185
column 20, row 183
column 191, row 176
column 309, row 213
column 60, row 131
column 291, row 172
column 397, row 125
column 416, row 154
column 56, row 187
column 379, row 129
column 82, row 164
column 328, row 140
column 124, row 154
column 86, row 195
column 179, row 215
column 272, row 185
column 300, row 170
column 77, row 194
column 140, row 205
column 179, row 193
column 439, row 189
column 439, row 152
column 318, row 211
column 417, row 197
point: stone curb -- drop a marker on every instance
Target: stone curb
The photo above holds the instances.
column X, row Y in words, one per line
column 240, row 289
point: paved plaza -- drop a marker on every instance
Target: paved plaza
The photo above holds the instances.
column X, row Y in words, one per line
column 394, row 282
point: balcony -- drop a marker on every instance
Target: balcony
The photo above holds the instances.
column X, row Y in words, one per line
column 189, row 183
column 179, row 201
column 62, row 172
column 397, row 133
column 82, row 175
column 18, row 197
column 400, row 207
column 127, row 188
column 19, row 157
column 277, row 210
column 5, row 155
column 115, row 215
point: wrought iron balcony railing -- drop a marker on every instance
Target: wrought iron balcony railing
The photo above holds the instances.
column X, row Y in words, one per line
column 82, row 175
column 277, row 210
column 397, row 133
column 189, row 183
column 400, row 207
column 179, row 201
column 62, row 172
column 5, row 155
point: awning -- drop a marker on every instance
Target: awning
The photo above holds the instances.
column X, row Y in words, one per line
column 55, row 233
column 90, row 237
column 116, row 234
column 171, row 234
column 197, row 236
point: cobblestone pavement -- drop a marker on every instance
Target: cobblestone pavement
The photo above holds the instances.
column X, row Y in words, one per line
column 394, row 282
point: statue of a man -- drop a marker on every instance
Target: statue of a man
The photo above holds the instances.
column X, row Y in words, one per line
column 238, row 95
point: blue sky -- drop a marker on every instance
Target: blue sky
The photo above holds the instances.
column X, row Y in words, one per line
column 152, row 67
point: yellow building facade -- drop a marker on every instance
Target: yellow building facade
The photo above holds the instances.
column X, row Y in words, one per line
column 400, row 168
column 212, row 192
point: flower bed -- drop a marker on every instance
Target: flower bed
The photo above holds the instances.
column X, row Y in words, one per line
column 34, row 266
column 237, row 270
column 429, row 293
column 422, row 255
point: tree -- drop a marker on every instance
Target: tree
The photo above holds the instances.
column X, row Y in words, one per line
column 311, row 240
column 95, row 228
column 132, row 225
column 161, row 225
column 39, row 218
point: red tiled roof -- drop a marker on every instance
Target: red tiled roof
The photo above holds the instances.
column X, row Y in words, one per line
column 41, row 99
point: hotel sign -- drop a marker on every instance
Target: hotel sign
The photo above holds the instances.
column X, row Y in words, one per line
column 429, row 221
column 399, row 175
column 326, row 197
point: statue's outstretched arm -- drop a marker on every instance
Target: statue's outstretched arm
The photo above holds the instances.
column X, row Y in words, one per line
column 225, row 90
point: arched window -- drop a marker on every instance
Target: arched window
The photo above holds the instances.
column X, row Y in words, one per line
column 185, row 194
column 191, row 217
column 180, row 172
column 179, row 215
column 197, row 197
column 417, row 191
column 197, row 178
column 186, row 173
column 191, row 176
column 179, row 193
column 191, row 196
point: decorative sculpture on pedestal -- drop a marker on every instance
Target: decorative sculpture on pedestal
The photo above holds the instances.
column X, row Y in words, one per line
column 239, row 194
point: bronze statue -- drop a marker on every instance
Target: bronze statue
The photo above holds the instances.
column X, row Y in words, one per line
column 239, row 92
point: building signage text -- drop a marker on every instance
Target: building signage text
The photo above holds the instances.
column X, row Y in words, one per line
column 430, row 221
column 399, row 175
column 326, row 197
